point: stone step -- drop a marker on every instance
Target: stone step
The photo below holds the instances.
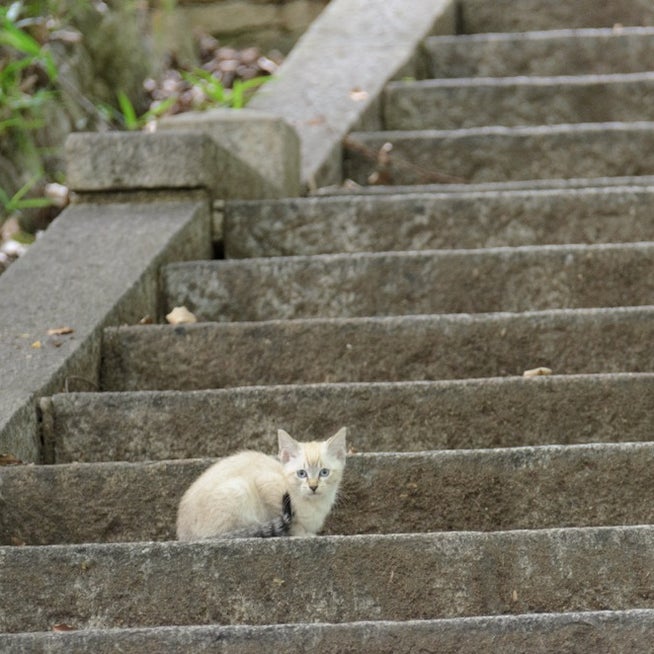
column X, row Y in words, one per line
column 449, row 490
column 434, row 220
column 217, row 355
column 408, row 416
column 351, row 189
column 491, row 154
column 540, row 633
column 400, row 283
column 363, row 578
column 511, row 101
column 543, row 53
column 525, row 15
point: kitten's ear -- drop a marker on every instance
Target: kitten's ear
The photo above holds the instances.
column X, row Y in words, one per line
column 288, row 446
column 336, row 444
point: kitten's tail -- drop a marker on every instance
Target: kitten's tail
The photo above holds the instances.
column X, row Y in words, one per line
column 278, row 526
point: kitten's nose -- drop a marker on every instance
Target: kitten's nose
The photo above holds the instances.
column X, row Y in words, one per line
column 313, row 486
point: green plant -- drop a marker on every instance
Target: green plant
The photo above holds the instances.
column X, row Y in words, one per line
column 23, row 62
column 18, row 201
column 216, row 93
column 129, row 117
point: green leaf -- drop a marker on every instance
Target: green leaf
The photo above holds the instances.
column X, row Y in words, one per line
column 129, row 114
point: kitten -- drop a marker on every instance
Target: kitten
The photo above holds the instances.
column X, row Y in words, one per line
column 251, row 494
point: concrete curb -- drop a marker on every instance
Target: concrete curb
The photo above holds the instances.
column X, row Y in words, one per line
column 73, row 282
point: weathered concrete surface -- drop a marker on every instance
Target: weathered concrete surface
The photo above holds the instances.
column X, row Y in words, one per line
column 365, row 48
column 366, row 578
column 541, row 633
column 352, row 189
column 430, row 221
column 487, row 154
column 524, row 15
column 119, row 161
column 236, row 22
column 215, row 355
column 455, row 104
column 400, row 283
column 73, row 282
column 455, row 490
column 547, row 53
column 265, row 142
column 402, row 416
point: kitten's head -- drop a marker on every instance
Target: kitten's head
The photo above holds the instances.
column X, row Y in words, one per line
column 313, row 468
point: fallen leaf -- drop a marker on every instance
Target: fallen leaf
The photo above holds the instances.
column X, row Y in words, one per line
column 60, row 331
column 36, row 345
column 537, row 372
column 9, row 460
column 358, row 95
column 180, row 316
column 146, row 320
column 62, row 626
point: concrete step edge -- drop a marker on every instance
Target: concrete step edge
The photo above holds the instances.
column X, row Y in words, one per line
column 386, row 219
column 572, row 34
column 156, row 425
column 459, row 574
column 385, row 283
column 376, row 349
column 497, row 489
column 543, row 632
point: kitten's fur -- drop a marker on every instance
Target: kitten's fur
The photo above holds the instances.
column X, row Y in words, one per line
column 253, row 494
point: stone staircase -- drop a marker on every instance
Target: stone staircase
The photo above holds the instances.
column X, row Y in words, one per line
column 482, row 510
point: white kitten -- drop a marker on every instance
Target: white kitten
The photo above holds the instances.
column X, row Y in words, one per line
column 253, row 494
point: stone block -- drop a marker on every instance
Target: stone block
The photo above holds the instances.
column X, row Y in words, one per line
column 120, row 161
column 526, row 15
column 266, row 143
column 456, row 104
column 493, row 154
column 381, row 417
column 550, row 53
column 367, row 578
column 217, row 355
column 386, row 222
column 459, row 490
column 401, row 283
column 542, row 633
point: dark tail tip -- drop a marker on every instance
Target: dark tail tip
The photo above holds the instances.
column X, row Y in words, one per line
column 287, row 509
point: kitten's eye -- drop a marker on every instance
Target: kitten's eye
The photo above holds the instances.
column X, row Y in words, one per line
column 324, row 472
column 302, row 474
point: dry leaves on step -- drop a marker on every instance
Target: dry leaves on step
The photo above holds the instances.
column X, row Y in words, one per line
column 9, row 460
column 537, row 372
column 60, row 331
column 180, row 316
